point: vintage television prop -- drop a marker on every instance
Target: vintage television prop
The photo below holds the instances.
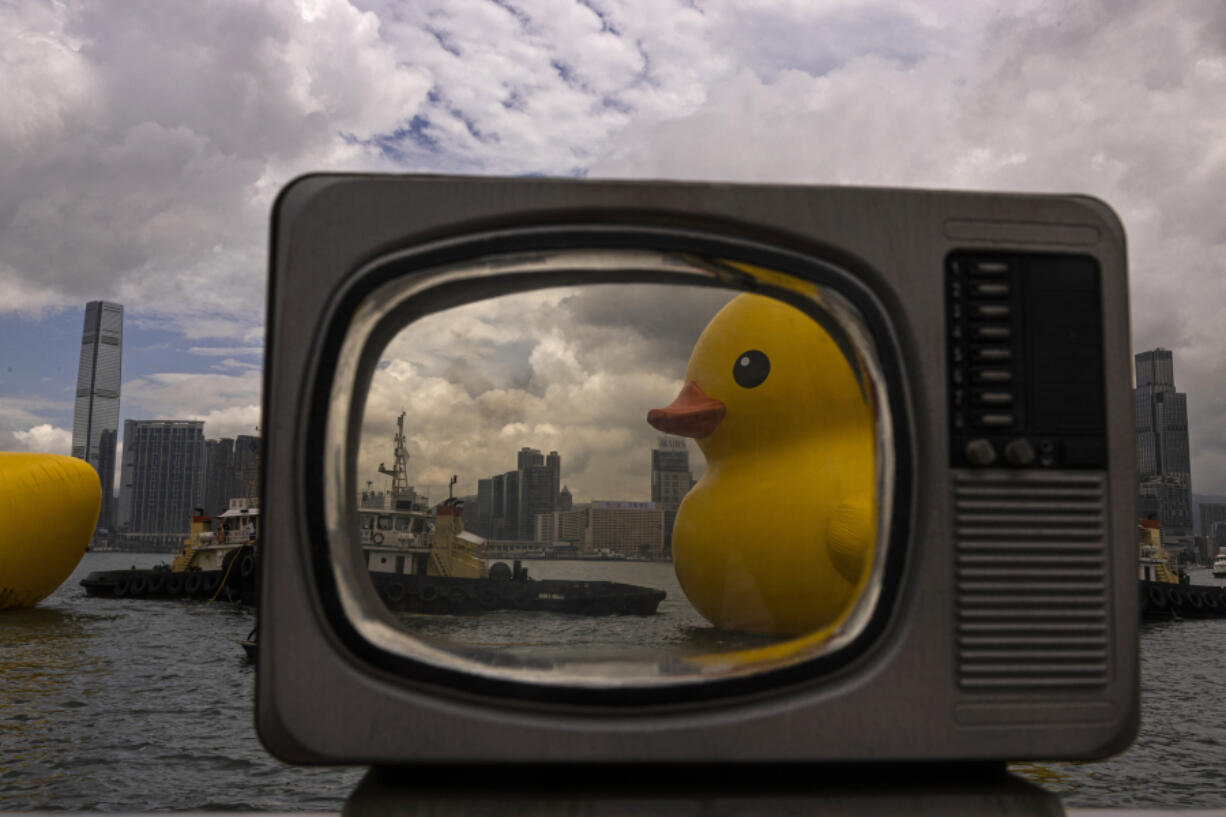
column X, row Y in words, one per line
column 916, row 545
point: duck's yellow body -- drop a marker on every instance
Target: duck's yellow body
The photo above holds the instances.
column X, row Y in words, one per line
column 48, row 508
column 778, row 535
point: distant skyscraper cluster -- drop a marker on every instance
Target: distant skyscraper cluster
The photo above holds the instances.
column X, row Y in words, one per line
column 95, row 416
column 1164, row 462
column 508, row 503
column 169, row 469
column 525, row 509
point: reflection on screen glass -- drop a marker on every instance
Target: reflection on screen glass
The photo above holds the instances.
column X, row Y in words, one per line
column 621, row 483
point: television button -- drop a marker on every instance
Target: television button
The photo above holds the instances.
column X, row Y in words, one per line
column 991, row 310
column 990, row 290
column 993, row 353
column 980, row 452
column 958, row 398
column 957, row 354
column 991, row 268
column 958, row 376
column 995, row 398
column 992, row 332
column 994, row 376
column 1019, row 452
column 995, row 420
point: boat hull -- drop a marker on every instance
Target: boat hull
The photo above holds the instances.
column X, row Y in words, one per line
column 232, row 585
column 1163, row 601
column 454, row 596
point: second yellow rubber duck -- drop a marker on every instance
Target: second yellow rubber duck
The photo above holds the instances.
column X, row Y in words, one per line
column 778, row 535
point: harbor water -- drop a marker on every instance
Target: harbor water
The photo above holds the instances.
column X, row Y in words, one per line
column 142, row 705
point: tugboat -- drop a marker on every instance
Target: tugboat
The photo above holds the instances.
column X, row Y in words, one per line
column 1165, row 595
column 213, row 564
column 427, row 563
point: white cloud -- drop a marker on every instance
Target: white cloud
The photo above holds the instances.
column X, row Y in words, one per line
column 229, row 404
column 46, row 438
column 225, row 351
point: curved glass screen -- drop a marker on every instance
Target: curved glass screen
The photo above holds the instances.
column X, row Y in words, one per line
column 608, row 468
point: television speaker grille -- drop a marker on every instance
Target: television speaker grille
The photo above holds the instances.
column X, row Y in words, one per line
column 1031, row 581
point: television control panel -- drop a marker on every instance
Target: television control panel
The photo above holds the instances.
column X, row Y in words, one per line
column 1026, row 378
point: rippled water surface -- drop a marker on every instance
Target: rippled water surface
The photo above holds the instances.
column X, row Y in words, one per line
column 128, row 705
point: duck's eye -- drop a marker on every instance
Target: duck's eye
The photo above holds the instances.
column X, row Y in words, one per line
column 751, row 368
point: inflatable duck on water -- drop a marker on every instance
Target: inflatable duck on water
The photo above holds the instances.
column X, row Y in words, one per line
column 778, row 536
column 48, row 507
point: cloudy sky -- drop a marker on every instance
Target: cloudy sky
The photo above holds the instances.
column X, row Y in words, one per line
column 142, row 145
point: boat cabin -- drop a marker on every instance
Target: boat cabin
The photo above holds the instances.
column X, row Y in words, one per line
column 396, row 540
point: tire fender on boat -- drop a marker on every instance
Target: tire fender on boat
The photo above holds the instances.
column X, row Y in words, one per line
column 394, row 591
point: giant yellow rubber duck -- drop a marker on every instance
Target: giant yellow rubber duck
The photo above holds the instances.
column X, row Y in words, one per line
column 778, row 536
column 48, row 508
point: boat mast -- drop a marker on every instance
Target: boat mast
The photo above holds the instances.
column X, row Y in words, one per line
column 400, row 469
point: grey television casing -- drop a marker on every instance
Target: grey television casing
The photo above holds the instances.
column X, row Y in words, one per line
column 1009, row 626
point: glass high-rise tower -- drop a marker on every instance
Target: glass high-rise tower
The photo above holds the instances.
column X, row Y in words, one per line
column 1163, row 451
column 95, row 419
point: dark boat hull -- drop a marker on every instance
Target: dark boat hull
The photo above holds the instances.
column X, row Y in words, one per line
column 401, row 593
column 1162, row 601
column 445, row 595
column 154, row 583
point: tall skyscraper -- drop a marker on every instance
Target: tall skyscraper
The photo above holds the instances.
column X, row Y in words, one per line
column 246, row 466
column 670, row 481
column 485, row 508
column 162, row 479
column 218, row 475
column 554, row 463
column 1164, row 461
column 95, row 416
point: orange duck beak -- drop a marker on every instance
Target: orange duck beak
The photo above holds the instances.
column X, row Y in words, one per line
column 692, row 414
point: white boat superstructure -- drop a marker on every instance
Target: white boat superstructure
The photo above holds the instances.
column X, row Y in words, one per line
column 1219, row 564
column 213, row 539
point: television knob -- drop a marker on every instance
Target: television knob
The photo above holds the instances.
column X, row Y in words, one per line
column 1019, row 452
column 980, row 452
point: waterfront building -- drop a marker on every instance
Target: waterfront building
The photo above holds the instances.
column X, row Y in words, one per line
column 1163, row 452
column 162, row 480
column 499, row 494
column 554, row 463
column 671, row 480
column 510, row 505
column 536, row 496
column 628, row 528
column 569, row 526
column 218, row 475
column 485, row 508
column 246, row 470
column 1211, row 512
column 95, row 416
column 565, row 500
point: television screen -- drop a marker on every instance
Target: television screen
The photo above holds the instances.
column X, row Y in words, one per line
column 570, row 470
